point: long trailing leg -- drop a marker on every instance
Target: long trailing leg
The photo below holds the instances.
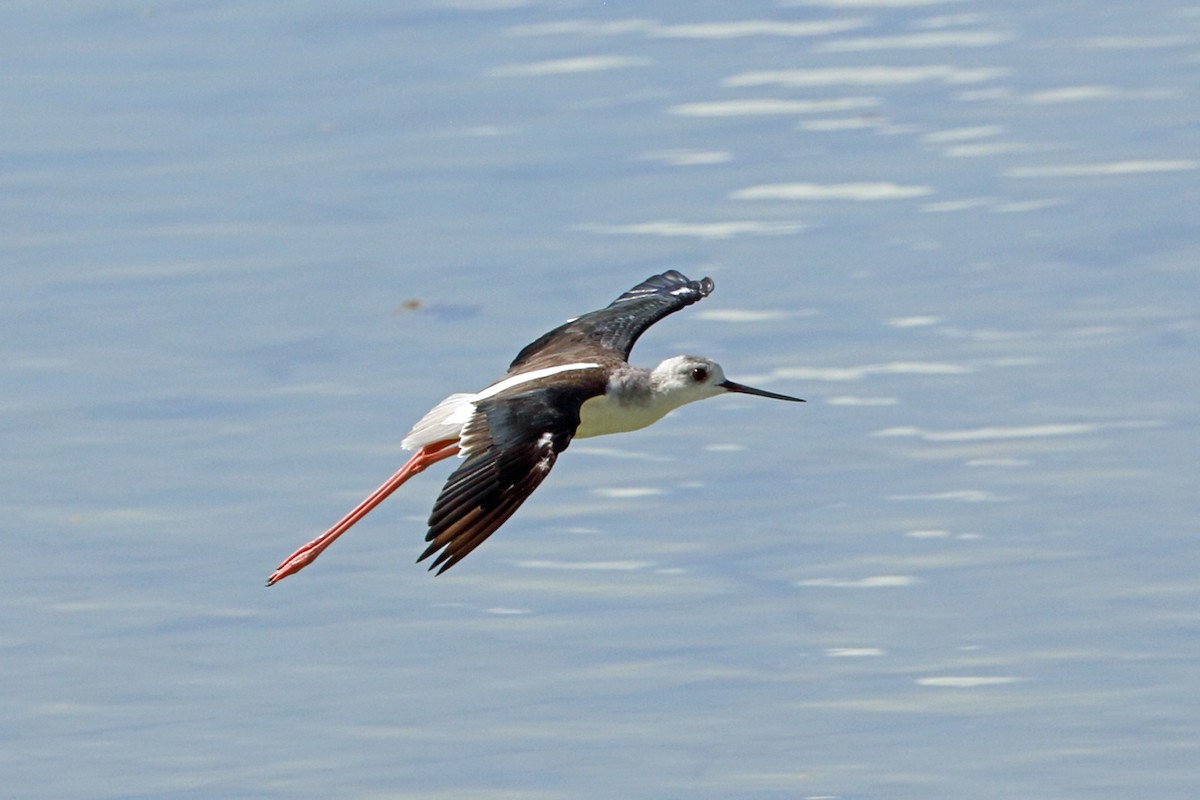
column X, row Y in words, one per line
column 423, row 458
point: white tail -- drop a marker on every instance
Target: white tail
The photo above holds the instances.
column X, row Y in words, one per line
column 444, row 421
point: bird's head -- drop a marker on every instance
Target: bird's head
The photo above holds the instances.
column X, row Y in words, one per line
column 686, row 379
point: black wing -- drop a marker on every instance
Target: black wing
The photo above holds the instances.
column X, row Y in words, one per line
column 617, row 326
column 510, row 445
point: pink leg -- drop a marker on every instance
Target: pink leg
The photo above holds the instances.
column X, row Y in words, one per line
column 427, row 455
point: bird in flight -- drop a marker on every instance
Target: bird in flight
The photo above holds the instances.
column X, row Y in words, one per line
column 573, row 382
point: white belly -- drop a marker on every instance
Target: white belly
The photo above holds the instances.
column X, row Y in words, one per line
column 603, row 415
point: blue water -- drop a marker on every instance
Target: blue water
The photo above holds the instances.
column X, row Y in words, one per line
column 246, row 245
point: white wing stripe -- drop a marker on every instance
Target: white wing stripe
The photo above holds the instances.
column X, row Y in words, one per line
column 447, row 418
column 537, row 374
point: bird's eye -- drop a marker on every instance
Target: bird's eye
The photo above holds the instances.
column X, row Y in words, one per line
column 699, row 374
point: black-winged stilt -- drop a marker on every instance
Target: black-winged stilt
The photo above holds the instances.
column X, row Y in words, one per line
column 574, row 381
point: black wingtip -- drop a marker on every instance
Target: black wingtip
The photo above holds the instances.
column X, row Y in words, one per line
column 444, row 564
column 672, row 282
column 445, row 561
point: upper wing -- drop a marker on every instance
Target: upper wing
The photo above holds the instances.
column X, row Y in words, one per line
column 617, row 326
column 510, row 444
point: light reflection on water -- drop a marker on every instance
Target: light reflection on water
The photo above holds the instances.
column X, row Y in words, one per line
column 247, row 249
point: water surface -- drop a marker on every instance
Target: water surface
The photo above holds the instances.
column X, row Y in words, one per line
column 246, row 245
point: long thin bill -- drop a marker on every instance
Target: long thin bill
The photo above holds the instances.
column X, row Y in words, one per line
column 730, row 386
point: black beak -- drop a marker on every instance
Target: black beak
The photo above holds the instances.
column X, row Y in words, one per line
column 730, row 386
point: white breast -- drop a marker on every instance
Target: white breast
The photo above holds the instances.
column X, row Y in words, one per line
column 603, row 415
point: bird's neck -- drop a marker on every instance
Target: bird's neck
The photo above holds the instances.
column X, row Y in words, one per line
column 631, row 402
